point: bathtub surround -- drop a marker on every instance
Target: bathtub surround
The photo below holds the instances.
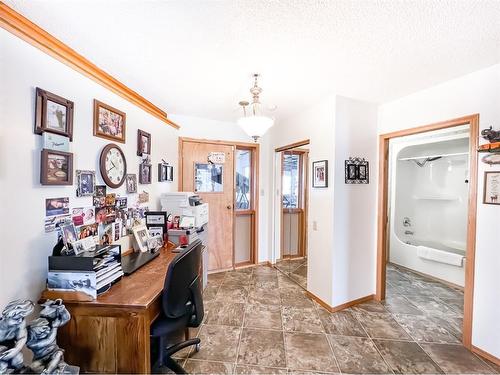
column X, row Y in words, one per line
column 428, row 202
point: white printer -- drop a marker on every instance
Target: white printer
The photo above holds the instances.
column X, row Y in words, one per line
column 185, row 204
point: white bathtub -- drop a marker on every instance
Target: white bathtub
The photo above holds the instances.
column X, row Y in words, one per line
column 405, row 254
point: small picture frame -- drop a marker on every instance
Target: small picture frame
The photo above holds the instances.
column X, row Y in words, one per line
column 56, row 168
column 100, row 191
column 357, row 171
column 143, row 143
column 53, row 114
column 320, row 174
column 141, row 236
column 68, row 233
column 165, row 172
column 85, row 183
column 131, row 183
column 145, row 173
column 109, row 122
column 491, row 193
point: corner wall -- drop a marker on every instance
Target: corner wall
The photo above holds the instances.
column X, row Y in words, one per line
column 477, row 92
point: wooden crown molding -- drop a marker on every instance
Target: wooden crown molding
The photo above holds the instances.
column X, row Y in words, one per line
column 20, row 26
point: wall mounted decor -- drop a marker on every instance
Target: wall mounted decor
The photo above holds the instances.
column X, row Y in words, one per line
column 491, row 194
column 55, row 142
column 109, row 122
column 143, row 143
column 491, row 135
column 85, row 183
column 165, row 172
column 356, row 171
column 100, row 191
column 320, row 174
column 131, row 182
column 145, row 170
column 492, row 158
column 56, row 168
column 53, row 114
column 113, row 165
column 56, row 206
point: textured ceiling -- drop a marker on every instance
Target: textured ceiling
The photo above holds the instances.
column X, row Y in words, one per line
column 196, row 57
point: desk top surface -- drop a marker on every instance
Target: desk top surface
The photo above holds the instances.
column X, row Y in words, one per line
column 139, row 289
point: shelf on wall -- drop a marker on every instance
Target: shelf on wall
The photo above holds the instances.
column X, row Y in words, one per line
column 435, row 156
column 490, row 147
column 436, row 197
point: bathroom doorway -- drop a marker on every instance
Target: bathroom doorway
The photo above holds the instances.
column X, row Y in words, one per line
column 291, row 259
column 426, row 229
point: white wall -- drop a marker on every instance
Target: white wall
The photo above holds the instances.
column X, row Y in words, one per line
column 355, row 206
column 25, row 245
column 317, row 124
column 478, row 92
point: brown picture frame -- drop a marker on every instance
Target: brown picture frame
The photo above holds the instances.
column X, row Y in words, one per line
column 492, row 200
column 41, row 113
column 140, row 134
column 142, row 180
column 44, row 168
column 97, row 132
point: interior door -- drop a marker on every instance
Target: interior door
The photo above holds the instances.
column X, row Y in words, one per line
column 213, row 181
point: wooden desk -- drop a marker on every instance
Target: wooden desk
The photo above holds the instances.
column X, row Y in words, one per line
column 111, row 334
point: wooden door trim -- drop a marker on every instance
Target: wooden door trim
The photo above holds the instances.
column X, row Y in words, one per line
column 20, row 26
column 255, row 147
column 293, row 145
column 382, row 217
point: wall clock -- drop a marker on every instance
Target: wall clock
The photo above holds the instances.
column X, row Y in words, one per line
column 113, row 165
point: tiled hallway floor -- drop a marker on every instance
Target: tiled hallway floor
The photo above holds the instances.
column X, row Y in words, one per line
column 258, row 321
column 295, row 268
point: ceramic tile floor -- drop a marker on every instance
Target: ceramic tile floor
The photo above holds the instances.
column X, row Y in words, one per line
column 295, row 268
column 260, row 322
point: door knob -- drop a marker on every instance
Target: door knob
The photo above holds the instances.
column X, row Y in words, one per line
column 229, row 207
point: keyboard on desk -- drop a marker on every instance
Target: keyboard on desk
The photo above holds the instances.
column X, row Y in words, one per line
column 134, row 261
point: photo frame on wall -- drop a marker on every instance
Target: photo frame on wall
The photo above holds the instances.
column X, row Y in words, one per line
column 165, row 172
column 85, row 183
column 53, row 114
column 109, row 122
column 320, row 174
column 491, row 193
column 143, row 143
column 357, row 171
column 131, row 183
column 145, row 171
column 56, row 168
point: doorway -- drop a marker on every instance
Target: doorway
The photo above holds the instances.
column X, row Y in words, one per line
column 390, row 276
column 225, row 175
column 293, row 209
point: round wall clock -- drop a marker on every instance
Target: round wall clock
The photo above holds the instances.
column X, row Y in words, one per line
column 113, row 165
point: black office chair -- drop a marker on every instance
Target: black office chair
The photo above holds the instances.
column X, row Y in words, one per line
column 182, row 304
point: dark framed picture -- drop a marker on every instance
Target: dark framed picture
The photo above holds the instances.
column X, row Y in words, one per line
column 131, row 183
column 145, row 171
column 491, row 193
column 56, row 168
column 320, row 174
column 165, row 172
column 53, row 114
column 100, row 191
column 109, row 122
column 85, row 183
column 357, row 171
column 143, row 143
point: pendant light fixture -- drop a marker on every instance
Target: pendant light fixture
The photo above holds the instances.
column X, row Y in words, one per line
column 254, row 122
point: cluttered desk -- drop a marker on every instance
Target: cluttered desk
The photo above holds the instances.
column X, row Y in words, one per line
column 110, row 331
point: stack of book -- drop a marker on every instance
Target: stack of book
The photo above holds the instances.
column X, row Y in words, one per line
column 89, row 273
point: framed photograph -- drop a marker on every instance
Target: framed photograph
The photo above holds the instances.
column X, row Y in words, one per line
column 56, row 206
column 100, row 191
column 320, row 174
column 156, row 219
column 356, row 171
column 143, row 143
column 56, row 168
column 85, row 183
column 491, row 187
column 83, row 215
column 121, row 202
column 145, row 173
column 131, row 182
column 141, row 236
column 68, row 232
column 109, row 122
column 162, row 172
column 110, row 199
column 53, row 114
